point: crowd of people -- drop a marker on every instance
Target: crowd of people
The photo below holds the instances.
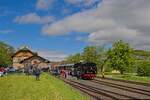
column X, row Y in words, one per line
column 36, row 71
column 30, row 70
column 60, row 72
column 64, row 73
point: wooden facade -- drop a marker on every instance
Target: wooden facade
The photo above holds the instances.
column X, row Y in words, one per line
column 25, row 57
column 42, row 63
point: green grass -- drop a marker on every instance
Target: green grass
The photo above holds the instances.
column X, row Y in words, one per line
column 21, row 87
column 130, row 77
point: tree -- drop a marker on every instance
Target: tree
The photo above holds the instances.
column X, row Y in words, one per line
column 10, row 50
column 120, row 56
column 90, row 54
column 143, row 68
column 5, row 54
column 74, row 58
column 5, row 58
column 101, row 53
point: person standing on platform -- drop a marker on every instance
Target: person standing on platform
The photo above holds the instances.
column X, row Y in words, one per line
column 37, row 72
column 78, row 74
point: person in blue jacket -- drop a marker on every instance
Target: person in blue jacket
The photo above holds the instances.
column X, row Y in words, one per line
column 37, row 72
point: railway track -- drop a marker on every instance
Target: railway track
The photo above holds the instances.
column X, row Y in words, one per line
column 94, row 93
column 127, row 81
column 124, row 87
column 98, row 93
column 107, row 90
column 133, row 85
column 87, row 90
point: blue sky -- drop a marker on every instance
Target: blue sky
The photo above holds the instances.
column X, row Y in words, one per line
column 57, row 28
column 30, row 34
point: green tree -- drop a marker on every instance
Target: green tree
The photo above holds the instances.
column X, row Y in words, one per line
column 143, row 68
column 120, row 56
column 10, row 50
column 90, row 54
column 5, row 54
column 74, row 58
column 102, row 59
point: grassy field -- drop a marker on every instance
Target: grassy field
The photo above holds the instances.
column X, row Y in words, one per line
column 21, row 87
column 130, row 77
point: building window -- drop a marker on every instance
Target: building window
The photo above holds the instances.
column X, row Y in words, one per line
column 17, row 60
column 35, row 62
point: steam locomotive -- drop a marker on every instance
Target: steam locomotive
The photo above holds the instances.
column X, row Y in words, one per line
column 85, row 70
column 80, row 70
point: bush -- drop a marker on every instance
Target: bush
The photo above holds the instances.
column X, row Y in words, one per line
column 143, row 68
column 108, row 69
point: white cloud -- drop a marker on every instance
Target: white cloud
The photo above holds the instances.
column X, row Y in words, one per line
column 108, row 36
column 33, row 18
column 43, row 4
column 112, row 20
column 80, row 22
column 52, row 55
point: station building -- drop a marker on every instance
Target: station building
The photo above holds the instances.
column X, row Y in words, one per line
column 25, row 57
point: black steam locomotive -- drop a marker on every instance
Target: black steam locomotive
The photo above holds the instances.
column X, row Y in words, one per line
column 85, row 70
column 80, row 70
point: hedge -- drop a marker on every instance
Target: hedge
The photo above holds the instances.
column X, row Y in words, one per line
column 143, row 68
